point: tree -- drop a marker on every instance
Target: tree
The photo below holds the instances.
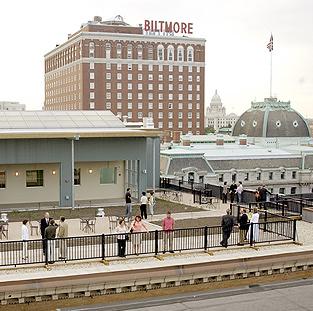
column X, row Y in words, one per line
column 209, row 130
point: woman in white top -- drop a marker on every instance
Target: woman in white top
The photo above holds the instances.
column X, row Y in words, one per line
column 25, row 238
column 255, row 221
column 143, row 205
column 121, row 237
column 151, row 203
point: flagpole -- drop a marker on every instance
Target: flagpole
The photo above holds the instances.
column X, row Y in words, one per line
column 271, row 75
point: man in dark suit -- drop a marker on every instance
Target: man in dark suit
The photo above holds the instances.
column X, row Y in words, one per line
column 227, row 227
column 44, row 223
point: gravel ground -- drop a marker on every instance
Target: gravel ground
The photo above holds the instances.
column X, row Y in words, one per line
column 161, row 207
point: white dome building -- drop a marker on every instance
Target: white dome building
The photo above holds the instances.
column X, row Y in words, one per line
column 216, row 114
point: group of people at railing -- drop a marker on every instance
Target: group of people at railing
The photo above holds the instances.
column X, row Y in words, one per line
column 245, row 221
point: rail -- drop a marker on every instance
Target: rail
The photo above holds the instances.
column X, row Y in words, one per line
column 13, row 253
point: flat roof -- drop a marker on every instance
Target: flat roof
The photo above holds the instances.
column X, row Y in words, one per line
column 66, row 124
column 233, row 151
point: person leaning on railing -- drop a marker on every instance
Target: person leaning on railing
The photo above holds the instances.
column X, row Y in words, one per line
column 137, row 227
column 50, row 234
column 63, row 234
column 227, row 227
column 243, row 226
column 122, row 237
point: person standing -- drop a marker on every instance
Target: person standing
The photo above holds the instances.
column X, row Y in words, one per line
column 168, row 224
column 243, row 226
column 225, row 191
column 63, row 234
column 143, row 205
column 50, row 234
column 128, row 201
column 227, row 227
column 25, row 238
column 121, row 229
column 254, row 223
column 44, row 223
column 137, row 227
column 239, row 192
column 151, row 203
column 232, row 191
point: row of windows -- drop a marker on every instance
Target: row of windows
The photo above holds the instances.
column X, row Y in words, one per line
column 35, row 178
column 150, row 86
column 108, row 175
column 259, row 176
column 150, row 96
column 149, row 77
column 169, row 125
column 150, row 67
column 163, row 53
column 152, row 106
column 63, row 99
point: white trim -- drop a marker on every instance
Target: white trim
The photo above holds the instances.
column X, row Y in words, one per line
column 126, row 37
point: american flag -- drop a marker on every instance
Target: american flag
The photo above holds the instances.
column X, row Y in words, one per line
column 270, row 44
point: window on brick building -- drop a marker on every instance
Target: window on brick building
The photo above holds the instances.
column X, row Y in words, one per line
column 108, row 50
column 160, row 52
column 180, row 54
column 91, row 49
column 129, row 51
column 139, row 53
column 118, row 50
column 170, row 53
column 190, row 54
column 150, row 52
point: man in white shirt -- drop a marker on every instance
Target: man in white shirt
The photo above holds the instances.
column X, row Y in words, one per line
column 239, row 191
column 25, row 238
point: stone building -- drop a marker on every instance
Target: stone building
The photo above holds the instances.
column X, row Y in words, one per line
column 216, row 116
column 272, row 147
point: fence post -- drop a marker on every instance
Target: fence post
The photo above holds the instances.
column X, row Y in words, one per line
column 238, row 213
column 205, row 238
column 194, row 196
column 265, row 220
column 283, row 209
column 251, row 234
column 301, row 206
column 45, row 241
column 200, row 202
column 156, row 242
column 102, row 247
column 294, row 230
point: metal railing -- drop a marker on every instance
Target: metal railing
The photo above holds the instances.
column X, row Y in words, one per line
column 13, row 253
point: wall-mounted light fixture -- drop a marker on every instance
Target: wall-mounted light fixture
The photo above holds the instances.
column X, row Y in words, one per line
column 90, row 171
column 17, row 173
column 54, row 172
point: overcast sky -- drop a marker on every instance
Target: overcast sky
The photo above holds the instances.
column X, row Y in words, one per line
column 237, row 31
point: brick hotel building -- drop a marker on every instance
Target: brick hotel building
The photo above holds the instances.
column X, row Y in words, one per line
column 110, row 65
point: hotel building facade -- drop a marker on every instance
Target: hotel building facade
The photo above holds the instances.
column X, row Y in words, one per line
column 110, row 65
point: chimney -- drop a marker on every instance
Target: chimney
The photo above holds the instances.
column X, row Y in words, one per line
column 186, row 142
column 219, row 140
column 243, row 140
column 97, row 19
column 167, row 136
column 176, row 137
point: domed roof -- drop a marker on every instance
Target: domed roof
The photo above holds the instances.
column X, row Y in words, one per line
column 271, row 118
column 216, row 99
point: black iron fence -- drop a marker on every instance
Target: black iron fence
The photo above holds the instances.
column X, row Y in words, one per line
column 13, row 253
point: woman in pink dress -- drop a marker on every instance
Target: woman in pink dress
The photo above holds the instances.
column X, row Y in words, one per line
column 137, row 227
